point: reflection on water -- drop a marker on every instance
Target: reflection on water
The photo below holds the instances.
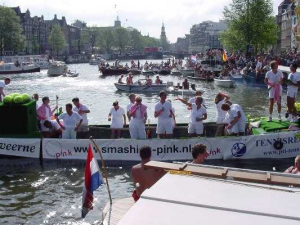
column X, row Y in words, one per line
column 51, row 192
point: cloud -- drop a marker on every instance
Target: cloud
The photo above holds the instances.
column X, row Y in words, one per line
column 144, row 15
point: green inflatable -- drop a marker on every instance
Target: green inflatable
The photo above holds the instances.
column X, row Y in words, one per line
column 18, row 99
column 25, row 98
column 7, row 99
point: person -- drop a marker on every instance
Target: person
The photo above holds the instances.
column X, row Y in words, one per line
column 148, row 80
column 274, row 79
column 36, row 98
column 71, row 122
column 157, row 80
column 138, row 112
column 231, row 119
column 117, row 118
column 242, row 117
column 186, row 84
column 292, row 89
column 198, row 93
column 199, row 153
column 164, row 113
column 120, row 81
column 2, row 86
column 259, row 67
column 82, row 110
column 44, row 112
column 144, row 178
column 54, row 130
column 198, row 114
column 132, row 102
column 219, row 101
column 129, row 80
column 138, row 64
column 173, row 116
column 296, row 168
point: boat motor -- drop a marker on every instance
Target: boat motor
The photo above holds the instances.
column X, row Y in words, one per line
column 193, row 86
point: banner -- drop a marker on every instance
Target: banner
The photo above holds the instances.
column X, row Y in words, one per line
column 20, row 147
column 128, row 150
column 262, row 146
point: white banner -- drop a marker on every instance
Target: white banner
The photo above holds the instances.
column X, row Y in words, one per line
column 20, row 147
column 128, row 150
column 262, row 146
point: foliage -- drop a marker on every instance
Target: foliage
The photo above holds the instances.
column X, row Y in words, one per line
column 249, row 22
column 107, row 40
column 136, row 40
column 35, row 45
column 121, row 37
column 11, row 38
column 57, row 39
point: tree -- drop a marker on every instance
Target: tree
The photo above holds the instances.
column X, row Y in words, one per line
column 136, row 40
column 57, row 39
column 251, row 23
column 122, row 37
column 11, row 38
column 107, row 40
column 35, row 45
column 84, row 39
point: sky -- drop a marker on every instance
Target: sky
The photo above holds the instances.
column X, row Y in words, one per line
column 145, row 15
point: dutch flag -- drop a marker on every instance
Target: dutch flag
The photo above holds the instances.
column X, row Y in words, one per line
column 92, row 180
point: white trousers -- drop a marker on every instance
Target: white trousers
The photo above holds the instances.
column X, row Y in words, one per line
column 69, row 133
column 137, row 130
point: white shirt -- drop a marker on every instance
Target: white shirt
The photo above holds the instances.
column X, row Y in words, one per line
column 2, row 84
column 193, row 101
column 70, row 121
column 295, row 78
column 274, row 78
column 230, row 115
column 197, row 113
column 117, row 115
column 258, row 66
column 166, row 113
column 83, row 115
column 129, row 106
column 238, row 108
column 54, row 127
column 220, row 113
column 47, row 111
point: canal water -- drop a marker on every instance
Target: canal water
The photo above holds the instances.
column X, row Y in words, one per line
column 34, row 192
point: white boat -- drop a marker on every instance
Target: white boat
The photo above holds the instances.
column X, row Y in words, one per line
column 57, row 68
column 211, row 65
column 176, row 91
column 199, row 194
column 71, row 74
column 14, row 68
column 43, row 63
column 224, row 82
column 140, row 86
column 187, row 72
column 96, row 60
column 150, row 72
column 176, row 72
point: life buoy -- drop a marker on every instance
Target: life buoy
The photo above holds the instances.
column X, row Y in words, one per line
column 278, row 145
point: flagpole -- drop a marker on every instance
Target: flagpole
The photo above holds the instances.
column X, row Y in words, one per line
column 103, row 168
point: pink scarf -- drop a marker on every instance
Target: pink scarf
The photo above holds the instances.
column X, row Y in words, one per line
column 276, row 92
column 41, row 112
column 142, row 110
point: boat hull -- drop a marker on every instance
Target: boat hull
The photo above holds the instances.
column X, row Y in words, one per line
column 201, row 78
column 224, row 83
column 140, row 88
column 112, row 72
column 33, row 70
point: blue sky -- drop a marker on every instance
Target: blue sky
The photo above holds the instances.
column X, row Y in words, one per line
column 146, row 16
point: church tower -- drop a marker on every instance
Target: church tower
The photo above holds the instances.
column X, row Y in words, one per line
column 117, row 22
column 163, row 33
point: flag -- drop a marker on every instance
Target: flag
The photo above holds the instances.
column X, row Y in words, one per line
column 92, row 180
column 224, row 57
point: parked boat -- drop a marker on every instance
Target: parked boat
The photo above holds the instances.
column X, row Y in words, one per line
column 113, row 71
column 14, row 68
column 57, row 68
column 140, row 86
column 224, row 82
column 201, row 78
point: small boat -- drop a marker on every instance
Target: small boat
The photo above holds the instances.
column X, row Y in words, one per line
column 176, row 72
column 237, row 77
column 71, row 74
column 201, row 78
column 187, row 72
column 113, row 71
column 177, row 91
column 149, row 72
column 135, row 71
column 14, row 68
column 164, row 71
column 140, row 86
column 224, row 82
column 57, row 68
column 96, row 60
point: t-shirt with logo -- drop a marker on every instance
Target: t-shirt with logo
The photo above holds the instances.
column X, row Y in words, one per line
column 70, row 121
column 295, row 78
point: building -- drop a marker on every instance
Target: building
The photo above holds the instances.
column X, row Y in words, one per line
column 205, row 35
column 182, row 44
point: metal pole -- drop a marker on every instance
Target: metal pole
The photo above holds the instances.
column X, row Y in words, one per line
column 104, row 172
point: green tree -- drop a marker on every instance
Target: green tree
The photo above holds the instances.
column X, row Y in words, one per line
column 57, row 39
column 35, row 45
column 11, row 38
column 121, row 37
column 251, row 22
column 108, row 40
column 136, row 39
column 84, row 39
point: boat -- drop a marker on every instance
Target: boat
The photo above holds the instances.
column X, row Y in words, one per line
column 135, row 71
column 164, row 71
column 140, row 86
column 200, row 78
column 176, row 72
column 96, row 60
column 224, row 82
column 57, row 68
column 16, row 68
column 149, row 72
column 187, row 72
column 176, row 91
column 227, row 196
column 109, row 71
column 211, row 65
column 71, row 74
column 41, row 62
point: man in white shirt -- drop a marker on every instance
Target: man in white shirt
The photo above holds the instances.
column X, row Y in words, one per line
column 292, row 90
column 54, row 130
column 197, row 94
column 242, row 117
column 82, row 110
column 71, row 122
column 274, row 79
column 138, row 113
column 231, row 119
column 164, row 113
column 2, row 86
column 132, row 101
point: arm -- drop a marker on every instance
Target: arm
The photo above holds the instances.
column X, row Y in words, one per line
column 185, row 102
column 76, row 128
column 124, row 120
column 157, row 113
column 145, row 117
column 2, row 92
column 203, row 118
column 62, row 127
column 233, row 122
column 109, row 117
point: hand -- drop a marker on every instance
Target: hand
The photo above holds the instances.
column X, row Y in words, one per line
column 76, row 128
column 109, row 119
column 198, row 119
column 62, row 127
column 229, row 126
column 80, row 112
